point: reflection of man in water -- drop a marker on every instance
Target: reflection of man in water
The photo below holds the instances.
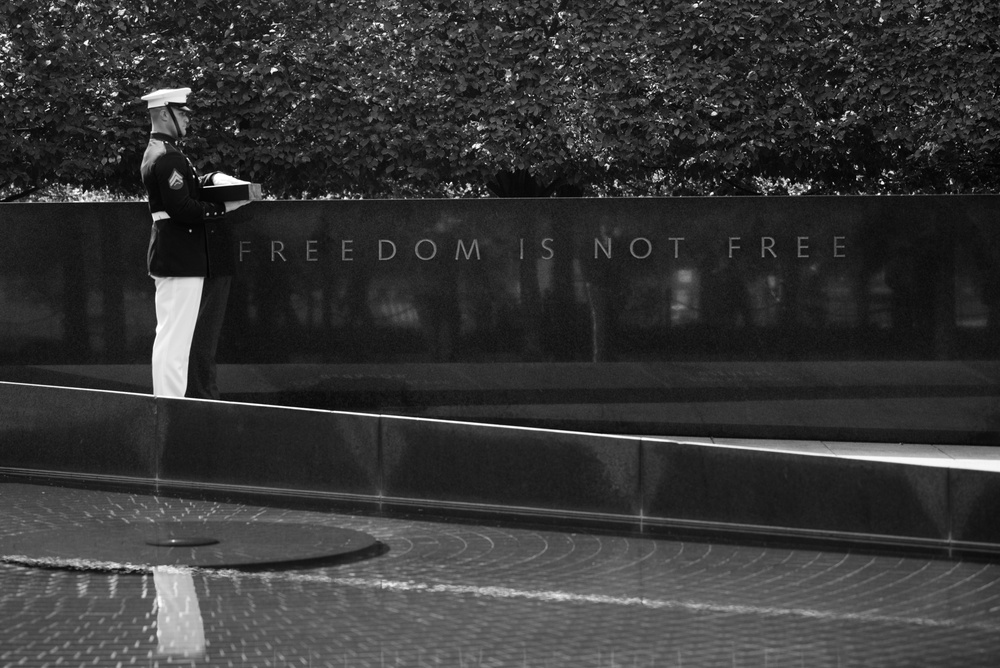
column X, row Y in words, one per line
column 188, row 255
column 180, row 630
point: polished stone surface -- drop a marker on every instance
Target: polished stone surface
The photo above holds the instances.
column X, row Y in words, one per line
column 79, row 431
column 836, row 318
column 975, row 500
column 772, row 488
column 463, row 595
column 238, row 444
column 435, row 461
column 957, row 457
column 919, row 495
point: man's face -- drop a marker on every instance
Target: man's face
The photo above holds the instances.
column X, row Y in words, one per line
column 183, row 120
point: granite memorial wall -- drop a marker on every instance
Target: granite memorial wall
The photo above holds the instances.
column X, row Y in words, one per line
column 859, row 318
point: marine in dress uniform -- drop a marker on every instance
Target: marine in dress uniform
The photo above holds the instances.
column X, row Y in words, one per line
column 189, row 257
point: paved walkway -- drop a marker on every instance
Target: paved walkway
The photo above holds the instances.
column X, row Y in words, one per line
column 470, row 595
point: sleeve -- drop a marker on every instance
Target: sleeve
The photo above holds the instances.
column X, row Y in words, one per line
column 174, row 178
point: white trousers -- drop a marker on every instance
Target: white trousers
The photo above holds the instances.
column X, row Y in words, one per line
column 178, row 299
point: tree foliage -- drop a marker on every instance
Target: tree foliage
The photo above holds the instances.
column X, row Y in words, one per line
column 437, row 97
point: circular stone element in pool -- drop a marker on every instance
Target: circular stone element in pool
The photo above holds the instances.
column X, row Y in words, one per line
column 209, row 543
column 182, row 541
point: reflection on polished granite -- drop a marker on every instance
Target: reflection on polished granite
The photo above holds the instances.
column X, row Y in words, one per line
column 944, row 402
column 969, row 457
column 474, row 595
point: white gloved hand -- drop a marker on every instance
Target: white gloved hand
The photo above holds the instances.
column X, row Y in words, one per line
column 220, row 179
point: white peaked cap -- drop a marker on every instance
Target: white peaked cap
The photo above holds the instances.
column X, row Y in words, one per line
column 167, row 96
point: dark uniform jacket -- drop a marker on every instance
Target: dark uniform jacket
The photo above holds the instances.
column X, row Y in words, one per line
column 192, row 239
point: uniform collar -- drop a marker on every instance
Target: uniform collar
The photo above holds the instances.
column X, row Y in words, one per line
column 162, row 136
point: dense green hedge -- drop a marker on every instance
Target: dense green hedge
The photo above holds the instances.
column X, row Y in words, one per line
column 420, row 98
